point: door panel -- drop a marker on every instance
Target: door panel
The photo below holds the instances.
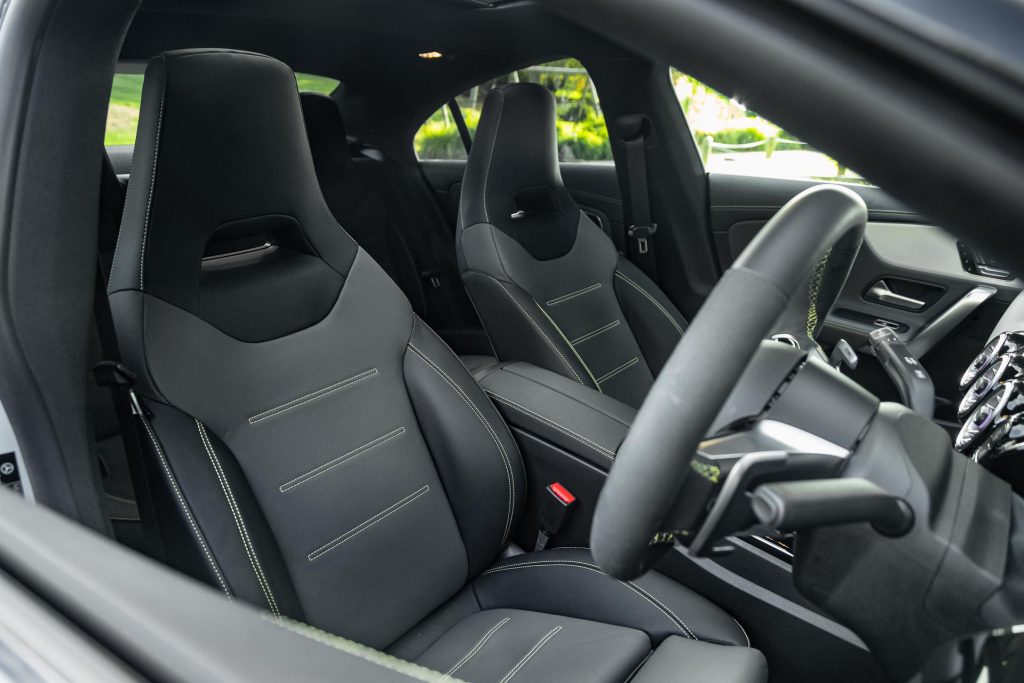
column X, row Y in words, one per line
column 914, row 259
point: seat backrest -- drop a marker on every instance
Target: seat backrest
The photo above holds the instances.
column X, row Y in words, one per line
column 306, row 429
column 548, row 283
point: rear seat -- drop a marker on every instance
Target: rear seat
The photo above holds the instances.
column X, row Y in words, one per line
column 388, row 214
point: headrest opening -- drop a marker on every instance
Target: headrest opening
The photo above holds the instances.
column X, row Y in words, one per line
column 222, row 172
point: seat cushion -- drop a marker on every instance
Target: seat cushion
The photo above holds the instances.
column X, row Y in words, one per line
column 568, row 582
column 506, row 644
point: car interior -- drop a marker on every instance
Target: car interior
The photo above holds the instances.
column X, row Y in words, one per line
column 321, row 400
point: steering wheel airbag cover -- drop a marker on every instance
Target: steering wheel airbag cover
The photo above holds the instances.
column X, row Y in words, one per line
column 654, row 459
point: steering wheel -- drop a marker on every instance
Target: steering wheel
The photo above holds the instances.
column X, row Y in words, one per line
column 636, row 518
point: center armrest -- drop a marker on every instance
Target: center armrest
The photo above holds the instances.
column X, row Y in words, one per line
column 581, row 420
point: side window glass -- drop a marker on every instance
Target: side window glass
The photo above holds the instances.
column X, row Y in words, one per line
column 126, row 95
column 582, row 135
column 734, row 139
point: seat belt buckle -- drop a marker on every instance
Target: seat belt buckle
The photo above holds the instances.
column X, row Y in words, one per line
column 640, row 233
column 109, row 373
column 555, row 510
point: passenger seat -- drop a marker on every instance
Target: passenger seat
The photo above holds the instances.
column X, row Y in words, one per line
column 381, row 209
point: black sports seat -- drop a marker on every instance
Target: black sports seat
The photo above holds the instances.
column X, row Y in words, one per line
column 548, row 283
column 315, row 449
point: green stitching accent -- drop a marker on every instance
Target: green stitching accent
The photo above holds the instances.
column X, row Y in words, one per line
column 420, row 673
column 710, row 472
column 814, row 290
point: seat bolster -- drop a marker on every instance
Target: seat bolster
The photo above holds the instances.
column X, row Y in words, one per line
column 567, row 581
column 656, row 323
column 703, row 662
column 210, row 525
column 475, row 455
column 519, row 330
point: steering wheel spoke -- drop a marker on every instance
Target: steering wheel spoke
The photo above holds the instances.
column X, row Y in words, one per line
column 769, row 451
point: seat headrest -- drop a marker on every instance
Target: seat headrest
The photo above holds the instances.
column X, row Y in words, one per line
column 512, row 178
column 222, row 163
column 326, row 130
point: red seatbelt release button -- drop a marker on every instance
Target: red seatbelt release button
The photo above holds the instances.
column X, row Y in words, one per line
column 554, row 513
column 562, row 494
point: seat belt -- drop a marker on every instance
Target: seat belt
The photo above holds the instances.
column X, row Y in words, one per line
column 112, row 374
column 640, row 234
column 442, row 311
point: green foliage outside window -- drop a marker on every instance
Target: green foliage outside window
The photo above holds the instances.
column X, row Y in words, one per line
column 582, row 134
column 126, row 95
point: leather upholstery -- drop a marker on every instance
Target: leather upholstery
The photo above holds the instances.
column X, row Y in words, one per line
column 742, row 665
column 589, row 425
column 493, row 645
column 344, row 469
column 565, row 581
column 548, row 283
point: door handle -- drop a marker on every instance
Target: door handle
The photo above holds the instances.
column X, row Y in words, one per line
column 881, row 293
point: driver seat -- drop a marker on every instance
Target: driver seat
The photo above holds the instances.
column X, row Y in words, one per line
column 548, row 284
column 313, row 448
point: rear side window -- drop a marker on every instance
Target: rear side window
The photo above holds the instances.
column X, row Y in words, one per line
column 126, row 95
column 582, row 135
column 734, row 139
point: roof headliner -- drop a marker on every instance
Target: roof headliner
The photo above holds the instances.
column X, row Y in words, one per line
column 372, row 46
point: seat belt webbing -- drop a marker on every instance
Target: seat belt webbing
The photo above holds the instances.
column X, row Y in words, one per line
column 112, row 374
column 640, row 233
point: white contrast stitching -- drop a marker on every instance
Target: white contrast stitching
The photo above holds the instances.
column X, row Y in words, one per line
column 618, row 274
column 743, row 631
column 119, row 499
column 509, row 473
column 554, row 425
column 236, row 512
column 529, row 655
column 152, row 184
column 476, row 648
column 622, row 368
column 599, row 331
column 185, row 509
column 490, row 155
column 535, row 325
column 379, row 517
column 572, row 295
column 569, row 344
column 669, row 614
column 355, row 452
column 313, row 396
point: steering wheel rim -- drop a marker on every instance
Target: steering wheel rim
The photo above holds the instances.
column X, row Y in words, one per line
column 627, row 536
